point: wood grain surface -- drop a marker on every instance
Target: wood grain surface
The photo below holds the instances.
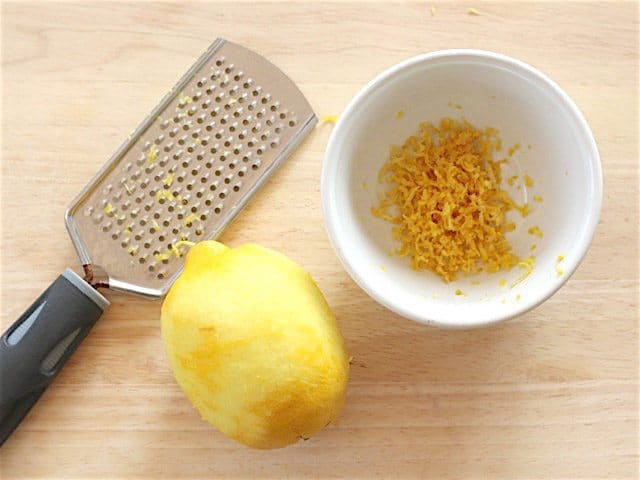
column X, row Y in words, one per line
column 553, row 394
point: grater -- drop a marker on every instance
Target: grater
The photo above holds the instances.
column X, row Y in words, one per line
column 180, row 177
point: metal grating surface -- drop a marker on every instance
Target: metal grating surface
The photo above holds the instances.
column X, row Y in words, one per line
column 188, row 169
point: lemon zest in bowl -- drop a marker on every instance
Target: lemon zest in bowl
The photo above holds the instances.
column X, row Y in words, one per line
column 528, row 181
column 535, row 231
column 445, row 203
column 527, row 264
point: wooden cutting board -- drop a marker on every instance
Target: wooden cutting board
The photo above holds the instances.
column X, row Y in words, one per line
column 553, row 394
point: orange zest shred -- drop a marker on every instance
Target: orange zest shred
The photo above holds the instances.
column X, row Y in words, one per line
column 445, row 201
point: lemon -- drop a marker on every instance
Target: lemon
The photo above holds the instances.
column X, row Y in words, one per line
column 254, row 345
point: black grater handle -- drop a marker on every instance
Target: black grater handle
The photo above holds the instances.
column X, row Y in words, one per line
column 36, row 347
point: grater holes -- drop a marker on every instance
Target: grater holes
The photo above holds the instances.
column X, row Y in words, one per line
column 274, row 144
column 217, row 210
column 256, row 165
column 164, row 124
column 199, row 231
column 141, row 260
column 114, row 236
column 292, row 123
column 236, row 187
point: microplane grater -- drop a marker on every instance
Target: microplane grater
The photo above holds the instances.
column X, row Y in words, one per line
column 182, row 176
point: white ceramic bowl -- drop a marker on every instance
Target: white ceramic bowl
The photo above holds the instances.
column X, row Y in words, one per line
column 488, row 89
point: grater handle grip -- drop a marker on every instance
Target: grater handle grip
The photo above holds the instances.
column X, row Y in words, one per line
column 36, row 347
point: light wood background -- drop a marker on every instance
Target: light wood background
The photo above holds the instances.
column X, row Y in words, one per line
column 553, row 394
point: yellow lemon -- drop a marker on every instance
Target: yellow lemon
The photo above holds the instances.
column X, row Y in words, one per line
column 254, row 345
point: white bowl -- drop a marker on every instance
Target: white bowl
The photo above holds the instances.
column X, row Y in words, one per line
column 488, row 89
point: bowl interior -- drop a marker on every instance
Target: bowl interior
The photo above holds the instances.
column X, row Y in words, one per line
column 556, row 150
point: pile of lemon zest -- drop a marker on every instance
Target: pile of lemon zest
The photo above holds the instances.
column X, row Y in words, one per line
column 184, row 99
column 127, row 231
column 132, row 251
column 459, row 292
column 190, row 219
column 513, row 149
column 533, row 247
column 537, row 198
column 502, row 283
column 473, row 11
column 560, row 258
column 445, row 203
column 329, row 118
column 152, row 154
column 527, row 264
column 535, row 231
column 400, row 114
column 168, row 180
column 108, row 209
column 433, row 10
column 528, row 181
column 511, row 180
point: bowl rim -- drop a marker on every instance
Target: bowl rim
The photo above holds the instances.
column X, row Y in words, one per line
column 329, row 169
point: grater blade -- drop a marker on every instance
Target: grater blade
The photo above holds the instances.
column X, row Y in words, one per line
column 188, row 169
